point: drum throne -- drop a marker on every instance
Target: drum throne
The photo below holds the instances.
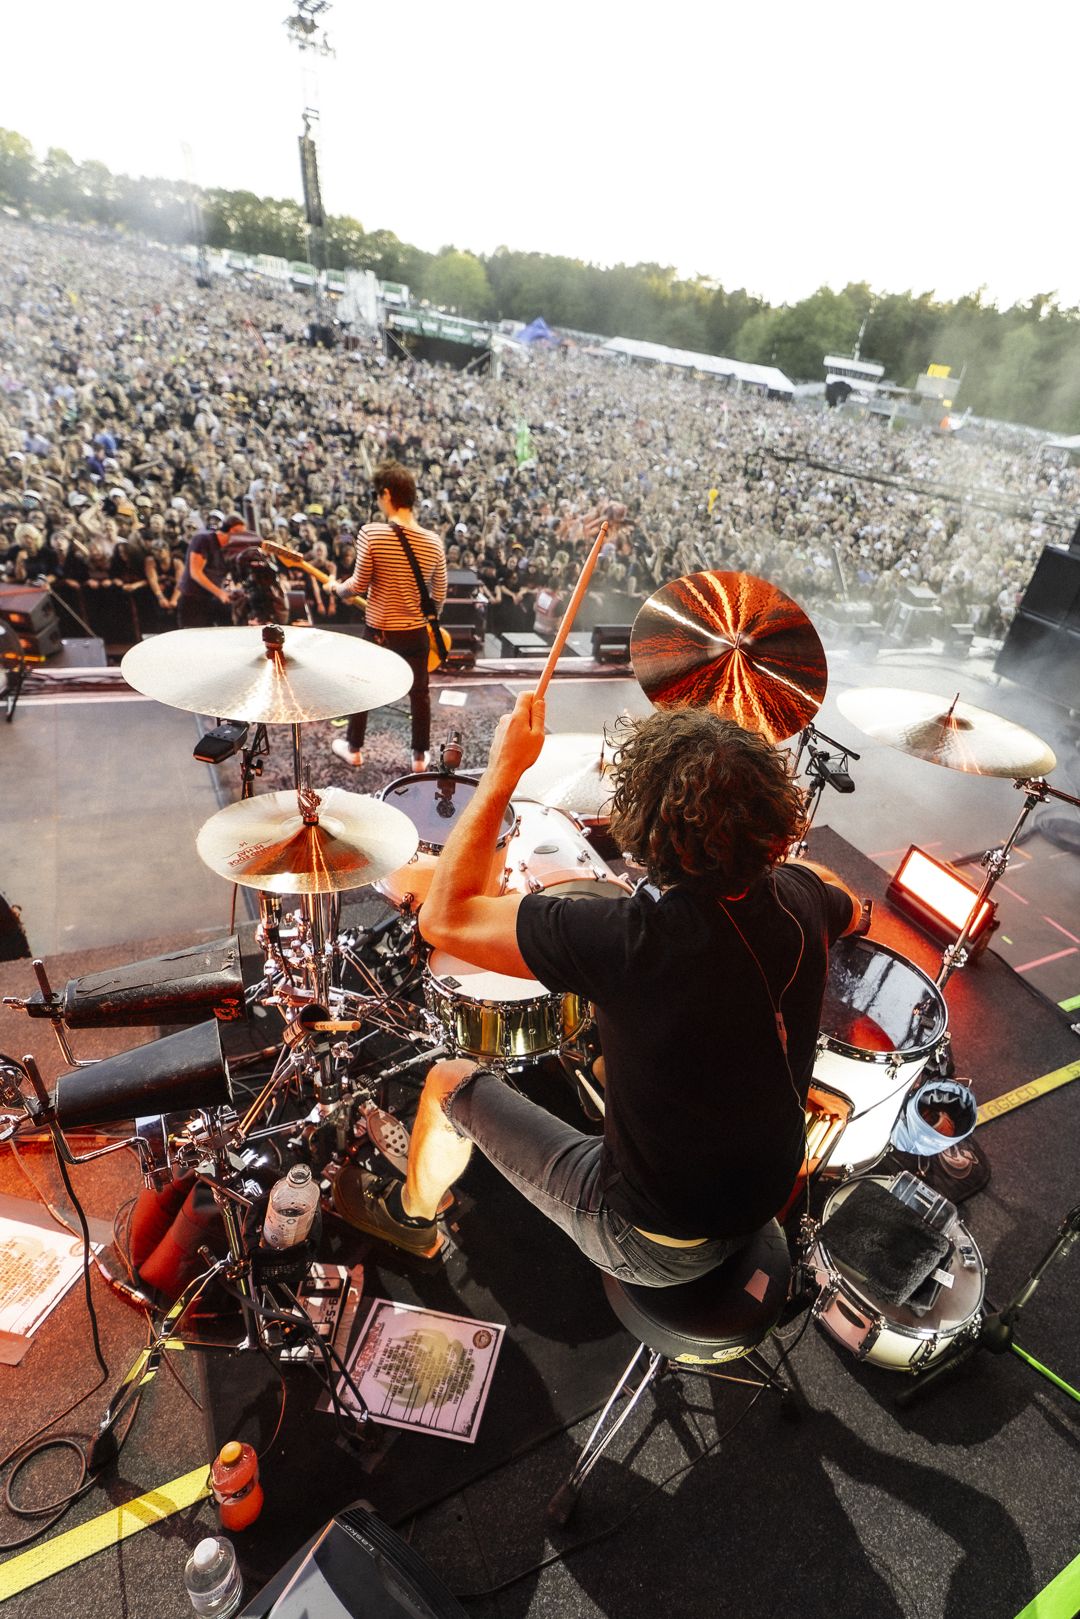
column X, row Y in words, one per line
column 699, row 1326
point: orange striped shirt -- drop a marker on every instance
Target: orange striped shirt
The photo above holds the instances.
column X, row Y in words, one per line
column 383, row 574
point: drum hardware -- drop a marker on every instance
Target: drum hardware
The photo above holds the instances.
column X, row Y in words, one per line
column 823, row 769
column 733, row 643
column 898, row 1337
column 995, row 1330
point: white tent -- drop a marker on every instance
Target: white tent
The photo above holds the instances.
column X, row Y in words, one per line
column 755, row 376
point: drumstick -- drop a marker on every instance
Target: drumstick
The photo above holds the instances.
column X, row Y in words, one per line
column 570, row 614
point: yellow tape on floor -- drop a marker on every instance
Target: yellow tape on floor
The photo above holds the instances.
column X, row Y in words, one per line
column 39, row 1563
column 1028, row 1092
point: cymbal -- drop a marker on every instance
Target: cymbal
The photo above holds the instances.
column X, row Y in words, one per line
column 957, row 735
column 732, row 642
column 347, row 840
column 573, row 772
column 316, row 675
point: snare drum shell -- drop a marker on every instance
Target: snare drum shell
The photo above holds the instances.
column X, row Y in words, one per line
column 512, row 1019
column 890, row 1335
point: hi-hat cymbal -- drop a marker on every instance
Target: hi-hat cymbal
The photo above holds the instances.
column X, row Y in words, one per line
column 735, row 643
column 957, row 735
column 573, row 772
column 346, row 841
column 315, row 674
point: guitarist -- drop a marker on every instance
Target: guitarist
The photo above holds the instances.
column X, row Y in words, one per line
column 395, row 614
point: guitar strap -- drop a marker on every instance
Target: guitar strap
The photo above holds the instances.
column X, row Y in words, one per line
column 427, row 606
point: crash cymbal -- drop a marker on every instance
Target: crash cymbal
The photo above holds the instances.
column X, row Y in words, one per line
column 343, row 840
column 239, row 674
column 732, row 642
column 957, row 735
column 573, row 772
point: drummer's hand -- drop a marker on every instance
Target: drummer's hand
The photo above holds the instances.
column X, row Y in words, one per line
column 518, row 738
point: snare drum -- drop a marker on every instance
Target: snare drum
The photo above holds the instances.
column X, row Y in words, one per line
column 892, row 1335
column 881, row 1021
column 549, row 851
column 433, row 804
column 495, row 1018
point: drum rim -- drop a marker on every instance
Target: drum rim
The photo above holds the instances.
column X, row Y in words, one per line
column 878, row 1309
column 900, row 1055
column 426, row 845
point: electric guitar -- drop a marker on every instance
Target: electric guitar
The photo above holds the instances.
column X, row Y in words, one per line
column 293, row 559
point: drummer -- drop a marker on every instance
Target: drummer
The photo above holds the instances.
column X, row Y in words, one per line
column 707, row 993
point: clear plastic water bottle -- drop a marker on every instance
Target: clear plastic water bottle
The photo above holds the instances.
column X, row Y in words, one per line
column 291, row 1209
column 213, row 1580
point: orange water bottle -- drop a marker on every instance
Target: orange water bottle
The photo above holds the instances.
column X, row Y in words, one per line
column 234, row 1478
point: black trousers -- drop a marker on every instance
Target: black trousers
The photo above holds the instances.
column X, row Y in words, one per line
column 412, row 645
column 201, row 611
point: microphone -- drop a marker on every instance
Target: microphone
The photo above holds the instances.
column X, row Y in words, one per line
column 450, row 753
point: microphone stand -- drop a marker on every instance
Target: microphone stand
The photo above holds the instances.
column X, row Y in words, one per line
column 822, row 769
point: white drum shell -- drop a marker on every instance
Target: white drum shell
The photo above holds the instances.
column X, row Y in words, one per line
column 891, row 1335
column 547, row 848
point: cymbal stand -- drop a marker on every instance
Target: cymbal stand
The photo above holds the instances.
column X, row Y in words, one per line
column 1036, row 790
column 823, row 770
column 996, row 1328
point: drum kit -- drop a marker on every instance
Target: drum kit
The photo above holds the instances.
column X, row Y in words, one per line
column 363, row 1009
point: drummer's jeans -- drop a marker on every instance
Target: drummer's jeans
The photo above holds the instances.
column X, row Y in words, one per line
column 412, row 645
column 558, row 1169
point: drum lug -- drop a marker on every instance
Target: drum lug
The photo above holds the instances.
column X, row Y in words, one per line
column 877, row 1327
column 925, row 1352
column 825, row 1296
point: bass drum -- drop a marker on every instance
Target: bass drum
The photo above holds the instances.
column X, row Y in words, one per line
column 882, row 1019
column 433, row 804
column 893, row 1335
column 496, row 1018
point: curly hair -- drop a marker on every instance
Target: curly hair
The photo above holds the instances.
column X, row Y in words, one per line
column 698, row 797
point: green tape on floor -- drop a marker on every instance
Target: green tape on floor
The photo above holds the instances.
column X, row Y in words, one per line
column 1028, row 1093
column 62, row 1551
column 1060, row 1599
column 1071, row 1005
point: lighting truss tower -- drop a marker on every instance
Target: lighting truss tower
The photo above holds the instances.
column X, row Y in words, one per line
column 304, row 27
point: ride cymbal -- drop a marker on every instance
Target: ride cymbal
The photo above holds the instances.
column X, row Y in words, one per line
column 957, row 735
column 573, row 772
column 312, row 843
column 245, row 674
column 734, row 643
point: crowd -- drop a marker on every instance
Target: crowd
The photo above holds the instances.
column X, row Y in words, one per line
column 137, row 409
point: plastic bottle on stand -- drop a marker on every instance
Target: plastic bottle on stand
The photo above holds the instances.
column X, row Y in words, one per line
column 213, row 1580
column 291, row 1209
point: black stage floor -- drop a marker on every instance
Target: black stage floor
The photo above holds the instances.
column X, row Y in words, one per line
column 962, row 1506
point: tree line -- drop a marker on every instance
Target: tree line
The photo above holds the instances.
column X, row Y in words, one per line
column 1018, row 364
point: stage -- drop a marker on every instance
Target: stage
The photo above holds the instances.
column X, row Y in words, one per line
column 959, row 1506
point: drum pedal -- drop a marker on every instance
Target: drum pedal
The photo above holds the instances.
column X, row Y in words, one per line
column 389, row 1137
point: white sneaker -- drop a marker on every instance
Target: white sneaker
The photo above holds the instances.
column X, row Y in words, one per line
column 341, row 747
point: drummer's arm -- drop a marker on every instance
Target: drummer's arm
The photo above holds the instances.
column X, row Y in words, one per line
column 828, row 876
column 457, row 915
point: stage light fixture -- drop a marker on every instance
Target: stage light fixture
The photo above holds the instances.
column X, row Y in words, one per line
column 935, row 895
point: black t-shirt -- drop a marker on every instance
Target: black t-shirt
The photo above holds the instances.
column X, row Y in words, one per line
column 204, row 544
column 703, row 1132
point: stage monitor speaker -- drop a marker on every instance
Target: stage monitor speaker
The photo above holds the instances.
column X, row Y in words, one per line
column 355, row 1567
column 461, row 582
column 1041, row 649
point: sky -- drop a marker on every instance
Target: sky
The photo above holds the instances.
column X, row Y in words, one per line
column 777, row 147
